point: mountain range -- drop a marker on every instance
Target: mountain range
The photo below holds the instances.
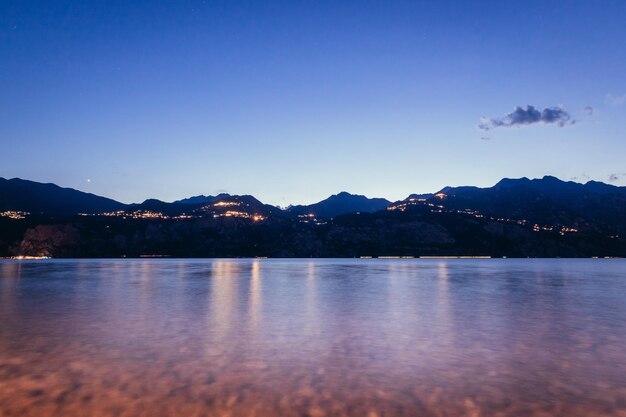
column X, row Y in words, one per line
column 515, row 217
column 52, row 200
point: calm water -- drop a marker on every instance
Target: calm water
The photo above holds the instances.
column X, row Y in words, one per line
column 313, row 338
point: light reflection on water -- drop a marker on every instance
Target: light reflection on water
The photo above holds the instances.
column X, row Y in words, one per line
column 313, row 337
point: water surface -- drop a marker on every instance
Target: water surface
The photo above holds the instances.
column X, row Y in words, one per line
column 313, row 338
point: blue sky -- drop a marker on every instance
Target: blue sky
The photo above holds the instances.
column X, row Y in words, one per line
column 293, row 101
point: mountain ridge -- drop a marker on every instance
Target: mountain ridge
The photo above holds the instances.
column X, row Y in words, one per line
column 341, row 203
column 514, row 218
column 367, row 204
column 49, row 198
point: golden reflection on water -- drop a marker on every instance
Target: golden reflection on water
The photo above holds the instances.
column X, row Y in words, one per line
column 312, row 338
column 255, row 296
column 223, row 302
column 9, row 275
column 312, row 317
column 443, row 317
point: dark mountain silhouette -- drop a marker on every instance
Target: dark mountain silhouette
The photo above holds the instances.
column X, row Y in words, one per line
column 237, row 204
column 50, row 199
column 547, row 200
column 543, row 217
column 158, row 206
column 223, row 204
column 202, row 199
column 342, row 203
column 250, row 204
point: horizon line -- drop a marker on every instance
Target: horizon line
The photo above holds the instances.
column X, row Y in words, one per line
column 316, row 201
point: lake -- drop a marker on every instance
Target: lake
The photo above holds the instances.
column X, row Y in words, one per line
column 270, row 337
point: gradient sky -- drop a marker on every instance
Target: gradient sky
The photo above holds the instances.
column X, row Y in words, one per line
column 293, row 101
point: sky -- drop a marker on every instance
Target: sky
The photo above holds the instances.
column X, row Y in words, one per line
column 292, row 101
